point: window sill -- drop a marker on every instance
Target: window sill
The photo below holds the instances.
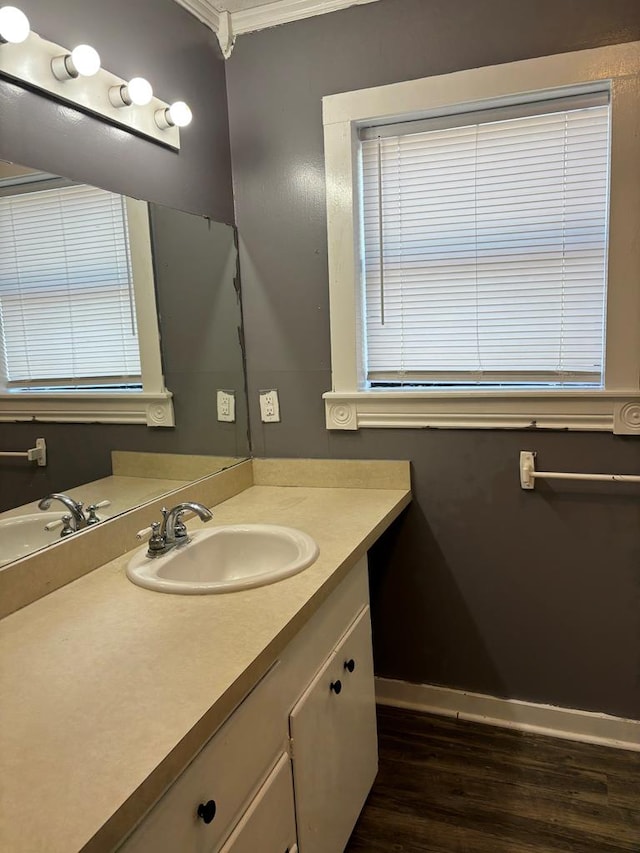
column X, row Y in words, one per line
column 604, row 411
column 152, row 409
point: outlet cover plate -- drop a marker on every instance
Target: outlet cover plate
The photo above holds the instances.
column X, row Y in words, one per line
column 226, row 402
column 269, row 406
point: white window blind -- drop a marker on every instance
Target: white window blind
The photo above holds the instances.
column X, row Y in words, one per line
column 67, row 313
column 485, row 245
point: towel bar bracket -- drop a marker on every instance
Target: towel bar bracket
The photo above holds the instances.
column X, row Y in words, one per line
column 527, row 469
column 33, row 454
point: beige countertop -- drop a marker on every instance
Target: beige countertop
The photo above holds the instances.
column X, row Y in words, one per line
column 107, row 690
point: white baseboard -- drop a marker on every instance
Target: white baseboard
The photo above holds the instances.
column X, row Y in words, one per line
column 548, row 720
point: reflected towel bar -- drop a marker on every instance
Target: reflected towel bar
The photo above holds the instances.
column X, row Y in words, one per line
column 528, row 473
column 34, row 454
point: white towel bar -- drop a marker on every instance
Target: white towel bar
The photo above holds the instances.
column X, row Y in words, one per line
column 34, row 454
column 529, row 475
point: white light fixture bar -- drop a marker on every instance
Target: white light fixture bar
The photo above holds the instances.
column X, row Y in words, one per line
column 30, row 63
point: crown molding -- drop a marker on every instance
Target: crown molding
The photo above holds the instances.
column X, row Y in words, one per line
column 204, row 11
column 228, row 25
column 285, row 11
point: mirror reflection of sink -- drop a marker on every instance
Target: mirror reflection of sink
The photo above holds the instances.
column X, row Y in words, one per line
column 22, row 534
column 225, row 559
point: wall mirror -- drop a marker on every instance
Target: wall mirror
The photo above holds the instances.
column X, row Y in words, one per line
column 53, row 290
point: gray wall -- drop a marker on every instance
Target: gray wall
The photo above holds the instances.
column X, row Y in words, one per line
column 479, row 586
column 160, row 40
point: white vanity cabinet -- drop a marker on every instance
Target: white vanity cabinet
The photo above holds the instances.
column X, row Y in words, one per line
column 293, row 764
column 334, row 743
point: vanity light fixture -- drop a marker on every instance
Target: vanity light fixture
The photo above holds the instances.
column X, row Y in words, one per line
column 177, row 115
column 137, row 91
column 14, row 25
column 75, row 77
column 83, row 61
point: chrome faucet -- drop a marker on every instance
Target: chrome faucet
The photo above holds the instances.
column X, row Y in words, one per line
column 173, row 532
column 78, row 518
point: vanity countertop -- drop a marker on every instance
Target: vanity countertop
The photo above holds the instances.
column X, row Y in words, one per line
column 107, row 689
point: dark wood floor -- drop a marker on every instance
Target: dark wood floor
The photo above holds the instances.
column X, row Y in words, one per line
column 448, row 786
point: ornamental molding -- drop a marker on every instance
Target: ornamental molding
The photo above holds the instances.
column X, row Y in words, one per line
column 626, row 418
column 203, row 10
column 228, row 25
column 285, row 11
column 153, row 410
column 600, row 412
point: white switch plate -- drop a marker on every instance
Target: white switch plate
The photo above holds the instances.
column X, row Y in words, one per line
column 269, row 407
column 226, row 406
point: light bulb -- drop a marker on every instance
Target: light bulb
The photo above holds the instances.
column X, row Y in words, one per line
column 137, row 91
column 83, row 60
column 180, row 114
column 86, row 60
column 140, row 91
column 14, row 25
column 177, row 115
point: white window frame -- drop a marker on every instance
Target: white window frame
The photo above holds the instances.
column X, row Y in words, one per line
column 153, row 405
column 615, row 407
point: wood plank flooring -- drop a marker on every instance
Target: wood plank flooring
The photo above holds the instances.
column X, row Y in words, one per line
column 449, row 786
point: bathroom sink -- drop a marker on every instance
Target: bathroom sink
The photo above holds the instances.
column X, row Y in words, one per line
column 22, row 534
column 225, row 559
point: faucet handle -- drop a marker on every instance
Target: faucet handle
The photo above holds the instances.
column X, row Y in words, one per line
column 157, row 541
column 92, row 518
column 67, row 526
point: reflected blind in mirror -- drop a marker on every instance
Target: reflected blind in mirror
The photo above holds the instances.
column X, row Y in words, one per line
column 485, row 246
column 67, row 314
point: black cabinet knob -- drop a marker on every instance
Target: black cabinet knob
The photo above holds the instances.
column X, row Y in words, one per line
column 207, row 811
column 350, row 665
column 336, row 686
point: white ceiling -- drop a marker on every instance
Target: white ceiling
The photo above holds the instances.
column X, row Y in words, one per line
column 239, row 5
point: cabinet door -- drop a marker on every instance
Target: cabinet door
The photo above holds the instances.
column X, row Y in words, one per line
column 334, row 743
column 269, row 823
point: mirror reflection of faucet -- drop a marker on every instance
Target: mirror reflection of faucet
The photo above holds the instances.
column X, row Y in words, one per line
column 77, row 518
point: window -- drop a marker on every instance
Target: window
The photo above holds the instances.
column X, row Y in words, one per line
column 485, row 248
column 472, row 280
column 75, row 279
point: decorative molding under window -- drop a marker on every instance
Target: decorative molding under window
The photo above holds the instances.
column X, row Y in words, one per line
column 579, row 410
column 154, row 410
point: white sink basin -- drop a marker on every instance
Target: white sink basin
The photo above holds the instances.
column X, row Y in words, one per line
column 225, row 559
column 22, row 534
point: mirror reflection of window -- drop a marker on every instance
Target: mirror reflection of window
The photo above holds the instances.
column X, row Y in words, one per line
column 67, row 304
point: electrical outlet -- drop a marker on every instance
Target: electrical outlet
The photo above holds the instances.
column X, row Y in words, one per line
column 269, row 406
column 226, row 406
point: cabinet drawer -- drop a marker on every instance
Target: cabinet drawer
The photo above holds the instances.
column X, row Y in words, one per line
column 334, row 742
column 228, row 771
column 269, row 823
